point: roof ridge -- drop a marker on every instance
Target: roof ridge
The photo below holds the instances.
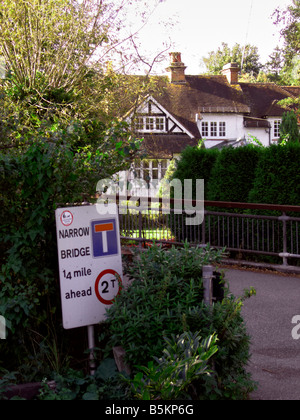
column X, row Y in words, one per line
column 205, row 75
column 258, row 83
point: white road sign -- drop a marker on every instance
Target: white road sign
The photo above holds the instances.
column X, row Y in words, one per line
column 90, row 264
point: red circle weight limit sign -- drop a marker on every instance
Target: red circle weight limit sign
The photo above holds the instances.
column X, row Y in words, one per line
column 104, row 287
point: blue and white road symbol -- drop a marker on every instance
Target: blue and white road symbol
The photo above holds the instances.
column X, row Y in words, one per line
column 104, row 237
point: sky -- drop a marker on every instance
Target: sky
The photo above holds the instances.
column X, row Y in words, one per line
column 202, row 25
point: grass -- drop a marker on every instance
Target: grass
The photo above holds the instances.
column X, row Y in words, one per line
column 155, row 235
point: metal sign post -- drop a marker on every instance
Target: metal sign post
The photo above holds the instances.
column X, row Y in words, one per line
column 207, row 274
column 91, row 341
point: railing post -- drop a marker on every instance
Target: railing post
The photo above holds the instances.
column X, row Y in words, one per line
column 284, row 236
column 203, row 239
column 207, row 275
column 140, row 228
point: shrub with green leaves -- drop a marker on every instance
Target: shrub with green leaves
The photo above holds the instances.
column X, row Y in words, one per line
column 185, row 359
column 164, row 299
column 165, row 285
column 230, row 379
column 233, row 174
column 105, row 384
column 289, row 129
column 277, row 177
column 196, row 163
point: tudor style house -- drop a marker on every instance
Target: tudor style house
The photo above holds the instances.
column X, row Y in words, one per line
column 217, row 109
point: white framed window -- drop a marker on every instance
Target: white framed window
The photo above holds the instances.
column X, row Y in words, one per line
column 213, row 129
column 204, row 129
column 150, row 124
column 160, row 123
column 277, row 124
column 222, row 129
column 139, row 124
column 149, row 170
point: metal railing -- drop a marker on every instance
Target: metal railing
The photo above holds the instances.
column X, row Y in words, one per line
column 244, row 229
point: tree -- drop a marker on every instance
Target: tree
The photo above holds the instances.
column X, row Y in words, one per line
column 55, row 39
column 289, row 130
column 275, row 64
column 58, row 78
column 289, row 22
column 247, row 55
column 62, row 39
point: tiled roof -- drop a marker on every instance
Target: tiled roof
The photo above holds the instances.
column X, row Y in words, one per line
column 263, row 99
column 201, row 94
column 292, row 90
column 213, row 94
column 164, row 146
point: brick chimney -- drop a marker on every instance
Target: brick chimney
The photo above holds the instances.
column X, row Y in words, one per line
column 231, row 71
column 177, row 68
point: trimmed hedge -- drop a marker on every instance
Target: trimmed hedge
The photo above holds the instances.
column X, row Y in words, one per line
column 249, row 174
column 196, row 163
column 277, row 176
column 233, row 174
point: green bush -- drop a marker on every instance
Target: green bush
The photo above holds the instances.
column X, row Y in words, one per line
column 196, row 163
column 30, row 185
column 185, row 359
column 277, row 176
column 245, row 174
column 105, row 384
column 289, row 130
column 233, row 174
column 231, row 379
column 166, row 299
column 154, row 307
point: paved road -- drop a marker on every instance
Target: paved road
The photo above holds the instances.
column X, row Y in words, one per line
column 275, row 361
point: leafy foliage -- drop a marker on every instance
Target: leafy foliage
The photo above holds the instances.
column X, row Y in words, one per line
column 196, row 163
column 246, row 174
column 32, row 184
column 185, row 358
column 248, row 57
column 289, row 130
column 288, row 20
column 106, row 384
column 154, row 307
column 166, row 299
column 233, row 174
column 277, row 176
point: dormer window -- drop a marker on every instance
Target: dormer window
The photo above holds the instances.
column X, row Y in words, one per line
column 150, row 124
column 160, row 123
